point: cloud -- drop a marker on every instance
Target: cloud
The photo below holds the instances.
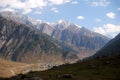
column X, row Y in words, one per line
column 27, row 11
column 7, row 9
column 111, row 15
column 74, row 2
column 27, row 6
column 80, row 17
column 94, row 3
column 59, row 2
column 98, row 20
column 109, row 30
column 37, row 12
column 35, row 3
column 11, row 3
column 118, row 9
column 55, row 10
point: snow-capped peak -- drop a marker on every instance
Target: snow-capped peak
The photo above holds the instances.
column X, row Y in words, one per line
column 64, row 22
column 24, row 19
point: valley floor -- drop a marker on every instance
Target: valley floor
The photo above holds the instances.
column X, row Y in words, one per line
column 99, row 69
column 10, row 68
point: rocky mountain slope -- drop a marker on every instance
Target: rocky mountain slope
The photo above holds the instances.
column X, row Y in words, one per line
column 112, row 48
column 69, row 36
column 16, row 17
column 81, row 41
column 26, row 44
column 104, row 65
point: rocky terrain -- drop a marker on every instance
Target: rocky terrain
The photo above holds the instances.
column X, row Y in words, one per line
column 43, row 45
column 111, row 48
column 26, row 44
column 104, row 65
column 69, row 37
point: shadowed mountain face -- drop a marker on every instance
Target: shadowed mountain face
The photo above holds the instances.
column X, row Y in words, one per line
column 26, row 44
column 112, row 48
column 68, row 36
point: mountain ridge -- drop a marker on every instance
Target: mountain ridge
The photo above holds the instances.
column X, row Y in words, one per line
column 25, row 44
column 78, row 40
column 112, row 48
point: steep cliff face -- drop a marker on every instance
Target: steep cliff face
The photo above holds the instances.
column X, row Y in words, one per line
column 25, row 44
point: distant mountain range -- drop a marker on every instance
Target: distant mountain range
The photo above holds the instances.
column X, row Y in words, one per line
column 26, row 44
column 81, row 41
column 28, row 40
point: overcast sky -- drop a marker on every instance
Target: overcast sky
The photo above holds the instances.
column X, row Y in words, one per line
column 102, row 16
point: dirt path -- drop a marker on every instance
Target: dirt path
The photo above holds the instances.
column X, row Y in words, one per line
column 12, row 72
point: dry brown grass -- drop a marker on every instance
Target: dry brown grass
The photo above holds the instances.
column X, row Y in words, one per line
column 7, row 67
column 10, row 68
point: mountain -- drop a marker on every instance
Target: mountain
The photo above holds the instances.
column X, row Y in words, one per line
column 23, row 43
column 71, row 37
column 103, row 68
column 20, row 18
column 104, row 65
column 112, row 48
column 16, row 17
column 84, row 41
column 68, row 36
column 30, row 43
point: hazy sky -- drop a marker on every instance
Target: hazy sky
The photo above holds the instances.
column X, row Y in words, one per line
column 101, row 16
